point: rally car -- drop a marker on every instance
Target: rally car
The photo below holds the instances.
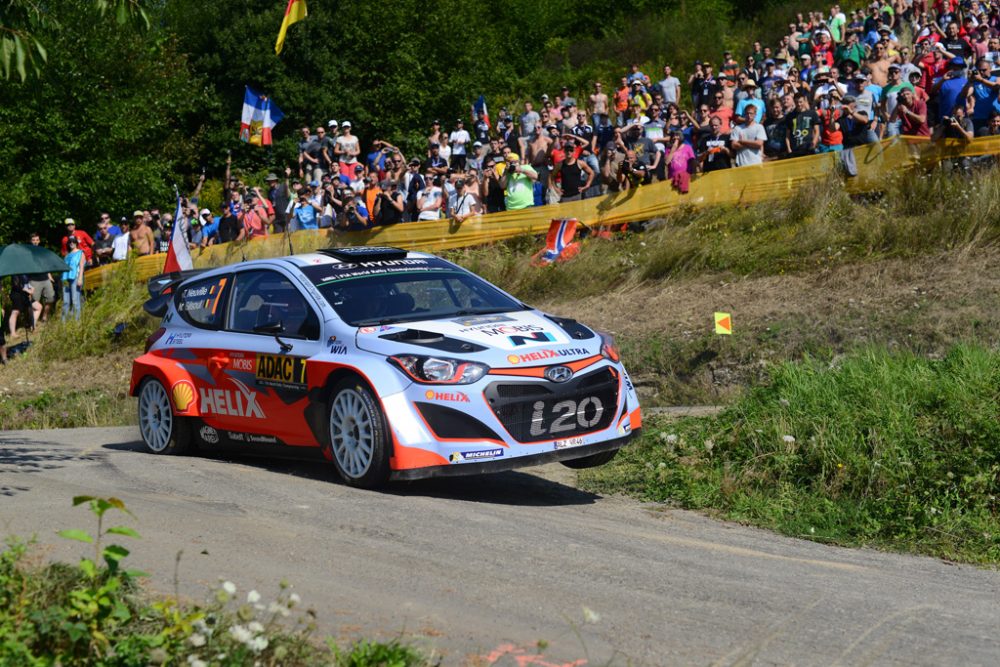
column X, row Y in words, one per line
column 394, row 364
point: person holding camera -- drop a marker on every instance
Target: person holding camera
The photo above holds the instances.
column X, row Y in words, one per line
column 430, row 199
column 305, row 212
column 389, row 204
column 518, row 181
column 255, row 217
column 958, row 125
column 490, row 190
column 911, row 113
column 355, row 215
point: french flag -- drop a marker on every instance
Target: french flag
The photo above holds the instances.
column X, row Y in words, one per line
column 480, row 106
column 260, row 116
column 178, row 254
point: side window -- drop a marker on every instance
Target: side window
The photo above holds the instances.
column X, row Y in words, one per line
column 203, row 302
column 267, row 297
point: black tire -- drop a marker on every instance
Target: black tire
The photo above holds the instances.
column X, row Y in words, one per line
column 591, row 461
column 161, row 430
column 355, row 417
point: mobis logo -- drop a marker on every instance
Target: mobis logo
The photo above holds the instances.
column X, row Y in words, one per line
column 225, row 402
column 454, row 396
column 508, row 329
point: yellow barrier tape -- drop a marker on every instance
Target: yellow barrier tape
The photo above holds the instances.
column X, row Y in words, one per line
column 745, row 185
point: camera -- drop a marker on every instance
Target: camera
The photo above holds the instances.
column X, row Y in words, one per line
column 947, row 119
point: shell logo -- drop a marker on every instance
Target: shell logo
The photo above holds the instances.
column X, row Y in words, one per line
column 183, row 395
column 513, row 358
column 429, row 394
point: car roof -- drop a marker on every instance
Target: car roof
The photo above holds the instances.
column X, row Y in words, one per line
column 352, row 254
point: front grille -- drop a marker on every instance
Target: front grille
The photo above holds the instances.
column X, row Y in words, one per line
column 535, row 411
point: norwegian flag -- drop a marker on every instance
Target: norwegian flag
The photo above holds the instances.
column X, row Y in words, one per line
column 559, row 243
column 480, row 106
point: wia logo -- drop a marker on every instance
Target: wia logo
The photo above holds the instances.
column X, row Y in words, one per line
column 537, row 337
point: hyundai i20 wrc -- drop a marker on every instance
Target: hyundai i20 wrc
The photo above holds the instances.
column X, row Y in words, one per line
column 394, row 364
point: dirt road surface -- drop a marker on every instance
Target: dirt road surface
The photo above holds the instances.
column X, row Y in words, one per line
column 480, row 569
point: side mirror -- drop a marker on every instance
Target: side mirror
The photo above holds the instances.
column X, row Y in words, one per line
column 274, row 327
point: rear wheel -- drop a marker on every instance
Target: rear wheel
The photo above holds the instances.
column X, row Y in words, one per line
column 591, row 461
column 161, row 430
column 359, row 437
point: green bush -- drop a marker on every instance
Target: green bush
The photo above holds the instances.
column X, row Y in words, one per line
column 882, row 448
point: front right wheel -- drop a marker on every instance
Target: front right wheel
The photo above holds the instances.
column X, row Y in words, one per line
column 359, row 436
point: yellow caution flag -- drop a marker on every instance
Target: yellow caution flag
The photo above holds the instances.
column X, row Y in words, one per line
column 724, row 324
column 296, row 11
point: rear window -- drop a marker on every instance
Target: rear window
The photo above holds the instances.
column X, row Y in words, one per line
column 203, row 302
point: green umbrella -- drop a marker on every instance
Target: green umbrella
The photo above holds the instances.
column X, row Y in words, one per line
column 18, row 258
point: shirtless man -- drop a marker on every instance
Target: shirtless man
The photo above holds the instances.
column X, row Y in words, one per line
column 598, row 103
column 879, row 65
column 539, row 151
column 142, row 235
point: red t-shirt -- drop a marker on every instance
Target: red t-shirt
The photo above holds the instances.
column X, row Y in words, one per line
column 254, row 224
column 86, row 244
column 911, row 127
column 726, row 115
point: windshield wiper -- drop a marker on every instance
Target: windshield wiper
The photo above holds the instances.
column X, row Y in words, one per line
column 484, row 311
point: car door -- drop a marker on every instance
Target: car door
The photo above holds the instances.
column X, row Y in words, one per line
column 272, row 328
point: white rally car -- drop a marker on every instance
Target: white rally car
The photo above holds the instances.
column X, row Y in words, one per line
column 395, row 364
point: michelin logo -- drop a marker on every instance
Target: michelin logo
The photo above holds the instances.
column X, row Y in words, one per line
column 476, row 455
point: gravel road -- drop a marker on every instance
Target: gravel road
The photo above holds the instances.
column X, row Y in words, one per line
column 480, row 569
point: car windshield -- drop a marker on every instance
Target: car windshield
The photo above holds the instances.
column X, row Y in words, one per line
column 365, row 296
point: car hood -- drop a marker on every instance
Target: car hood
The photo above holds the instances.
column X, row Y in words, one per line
column 520, row 331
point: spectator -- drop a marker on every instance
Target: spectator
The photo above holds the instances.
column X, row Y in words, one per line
column 143, row 242
column 120, row 244
column 21, row 303
column 325, row 148
column 43, row 293
column 715, row 151
column 370, row 194
column 308, row 156
column 390, row 205
column 518, row 181
column 992, row 128
column 622, row 101
column 718, row 109
column 347, row 150
column 598, row 104
column 912, row 114
column 103, row 239
column 854, row 123
column 459, row 141
column 254, row 218
column 530, row 121
column 435, row 164
column 632, row 172
column 984, row 93
column 465, row 204
column 72, row 280
column 748, row 99
column 280, row 197
column 670, row 87
column 429, row 201
column 748, row 138
column 305, row 212
column 575, row 177
column 355, row 215
column 774, row 128
column 480, row 132
column 802, row 128
column 195, row 233
column 952, row 87
column 956, row 125
column 84, row 241
column 679, row 157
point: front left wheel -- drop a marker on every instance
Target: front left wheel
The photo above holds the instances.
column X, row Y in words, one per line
column 161, row 430
column 359, row 436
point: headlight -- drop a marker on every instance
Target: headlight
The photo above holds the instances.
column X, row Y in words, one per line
column 439, row 370
column 608, row 348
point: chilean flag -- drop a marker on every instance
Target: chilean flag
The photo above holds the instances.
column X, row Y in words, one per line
column 259, row 118
column 178, row 254
column 480, row 105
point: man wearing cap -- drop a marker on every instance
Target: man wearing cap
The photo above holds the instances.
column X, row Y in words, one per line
column 413, row 183
column 254, row 218
column 459, row 140
column 518, row 182
column 143, row 242
column 120, row 244
column 912, row 114
column 347, row 148
column 984, row 92
column 84, row 241
column 951, row 88
column 481, row 129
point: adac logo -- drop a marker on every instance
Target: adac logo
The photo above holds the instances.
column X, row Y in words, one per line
column 275, row 370
column 453, row 396
column 542, row 355
column 183, row 394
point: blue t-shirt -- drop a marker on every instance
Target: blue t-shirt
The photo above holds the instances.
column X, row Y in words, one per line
column 306, row 217
column 986, row 99
column 74, row 261
column 211, row 230
column 948, row 94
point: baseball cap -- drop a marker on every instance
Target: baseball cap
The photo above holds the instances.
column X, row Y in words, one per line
column 414, row 161
column 358, row 169
column 331, row 123
column 314, row 184
column 271, row 177
column 459, row 120
column 859, row 76
column 69, row 221
column 137, row 214
column 346, row 123
column 769, row 61
column 849, row 98
column 894, row 66
column 545, row 97
column 204, row 211
column 957, row 61
column 477, row 143
column 750, row 83
column 513, row 156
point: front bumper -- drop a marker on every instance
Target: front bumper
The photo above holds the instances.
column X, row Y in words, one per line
column 511, row 463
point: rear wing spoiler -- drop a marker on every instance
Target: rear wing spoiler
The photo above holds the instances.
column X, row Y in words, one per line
column 161, row 289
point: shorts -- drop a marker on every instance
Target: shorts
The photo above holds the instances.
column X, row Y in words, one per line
column 20, row 301
column 44, row 292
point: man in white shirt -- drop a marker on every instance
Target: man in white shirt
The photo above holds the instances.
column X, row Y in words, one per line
column 747, row 139
column 120, row 243
column 464, row 203
column 670, row 87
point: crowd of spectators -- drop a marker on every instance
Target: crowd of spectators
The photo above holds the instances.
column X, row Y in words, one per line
column 835, row 81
